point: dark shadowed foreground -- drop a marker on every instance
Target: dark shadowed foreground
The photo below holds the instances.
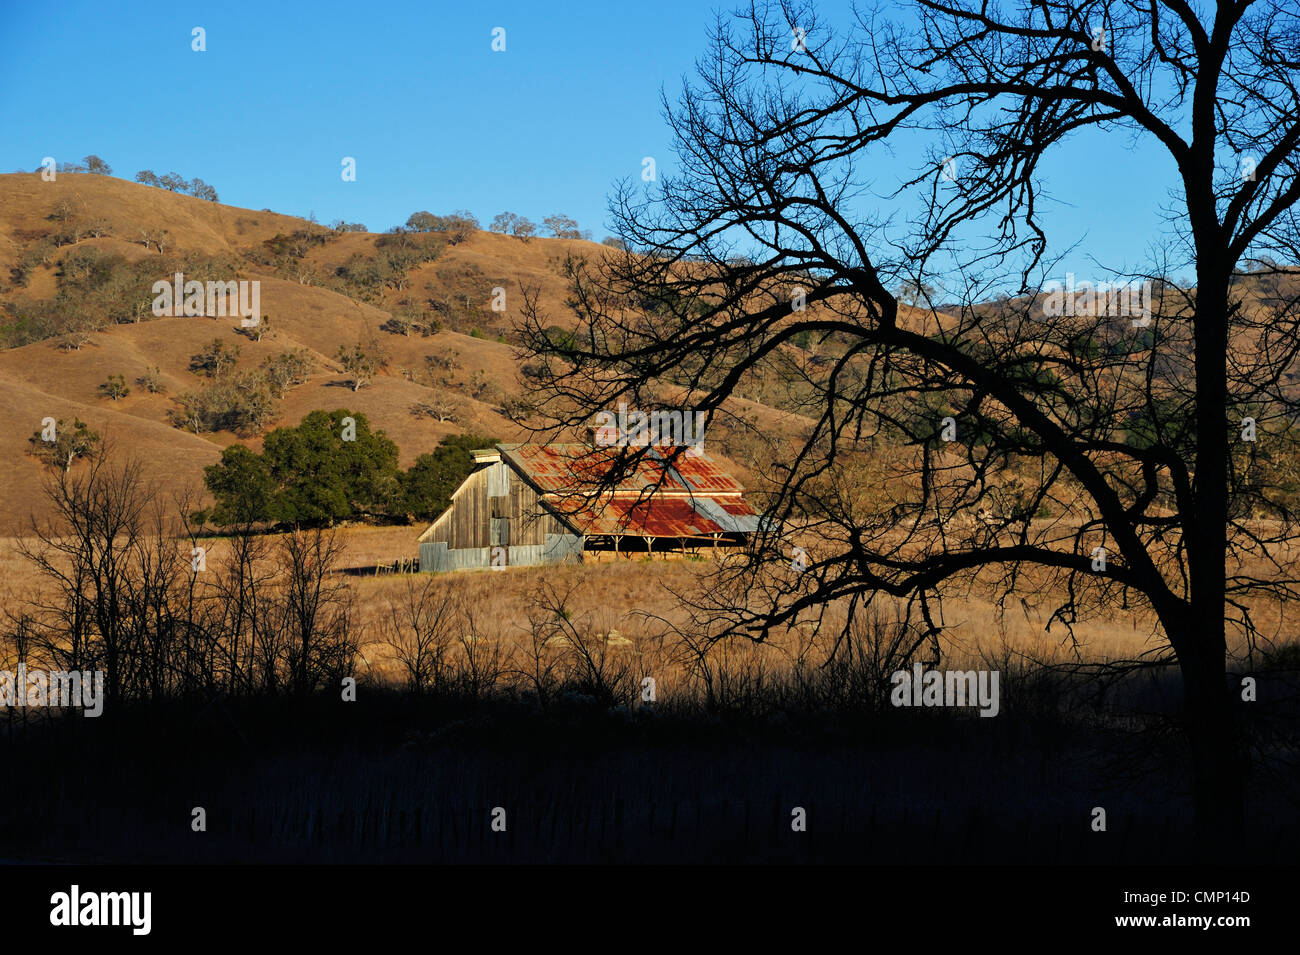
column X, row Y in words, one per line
column 395, row 779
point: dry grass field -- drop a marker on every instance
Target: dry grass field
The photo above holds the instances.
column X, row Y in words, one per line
column 638, row 601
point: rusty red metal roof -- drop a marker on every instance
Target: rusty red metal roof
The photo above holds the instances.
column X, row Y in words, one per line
column 694, row 498
column 566, row 468
column 658, row 517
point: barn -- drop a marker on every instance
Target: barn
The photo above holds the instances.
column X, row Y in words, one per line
column 528, row 504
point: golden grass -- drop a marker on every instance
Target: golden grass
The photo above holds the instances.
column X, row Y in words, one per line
column 630, row 604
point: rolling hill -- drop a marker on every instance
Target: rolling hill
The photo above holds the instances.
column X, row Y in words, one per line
column 107, row 220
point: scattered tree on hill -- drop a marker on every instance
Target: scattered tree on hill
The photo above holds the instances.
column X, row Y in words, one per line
column 67, row 446
column 151, row 381
column 241, row 402
column 458, row 225
column 174, row 183
column 98, row 166
column 160, row 239
column 40, row 253
column 441, row 366
column 562, row 227
column 257, row 332
column 421, row 222
column 399, row 323
column 80, row 265
column 71, row 167
column 440, row 409
column 518, row 408
column 395, row 254
column 64, row 211
column 509, row 223
column 115, row 388
column 287, row 369
column 201, row 190
column 215, row 360
column 482, row 386
column 361, row 363
column 78, row 332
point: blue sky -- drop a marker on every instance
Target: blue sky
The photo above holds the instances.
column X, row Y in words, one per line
column 434, row 118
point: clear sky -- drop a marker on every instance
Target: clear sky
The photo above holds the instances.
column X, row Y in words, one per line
column 433, row 116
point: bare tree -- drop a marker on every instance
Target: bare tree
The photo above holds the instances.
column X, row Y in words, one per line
column 243, row 612
column 315, row 611
column 419, row 627
column 441, row 408
column 562, row 227
column 92, row 553
column 1126, row 434
column 589, row 664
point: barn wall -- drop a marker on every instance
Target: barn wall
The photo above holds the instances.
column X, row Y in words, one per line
column 436, row 557
column 496, row 508
column 466, row 524
column 530, row 523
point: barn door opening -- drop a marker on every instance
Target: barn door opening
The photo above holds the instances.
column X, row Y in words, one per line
column 500, row 521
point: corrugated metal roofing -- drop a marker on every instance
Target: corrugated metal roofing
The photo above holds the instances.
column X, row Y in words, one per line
column 695, row 497
column 670, row 517
column 566, row 467
column 726, row 518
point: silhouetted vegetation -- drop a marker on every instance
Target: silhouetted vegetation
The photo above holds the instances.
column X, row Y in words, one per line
column 173, row 183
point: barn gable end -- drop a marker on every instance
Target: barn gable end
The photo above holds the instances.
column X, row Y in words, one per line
column 520, row 497
column 495, row 507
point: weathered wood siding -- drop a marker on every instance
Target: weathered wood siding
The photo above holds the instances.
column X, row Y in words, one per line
column 495, row 507
column 530, row 523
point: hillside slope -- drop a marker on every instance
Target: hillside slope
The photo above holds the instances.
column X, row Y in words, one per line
column 472, row 368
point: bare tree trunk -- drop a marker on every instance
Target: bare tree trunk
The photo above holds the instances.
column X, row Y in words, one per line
column 1217, row 760
column 1218, row 764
